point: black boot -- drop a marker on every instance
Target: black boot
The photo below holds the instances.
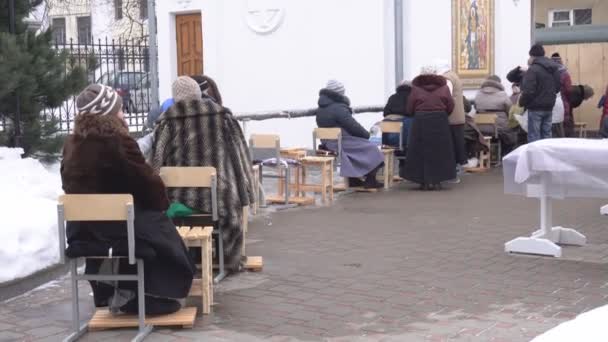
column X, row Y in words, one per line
column 355, row 182
column 370, row 180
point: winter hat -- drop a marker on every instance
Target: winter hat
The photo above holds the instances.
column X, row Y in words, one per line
column 495, row 78
column 405, row 83
column 98, row 99
column 557, row 58
column 442, row 66
column 185, row 88
column 428, row 70
column 335, row 86
column 587, row 92
column 537, row 50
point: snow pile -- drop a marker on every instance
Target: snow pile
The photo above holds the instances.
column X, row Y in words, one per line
column 589, row 327
column 28, row 218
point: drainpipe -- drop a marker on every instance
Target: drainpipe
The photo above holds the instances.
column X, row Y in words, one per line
column 153, row 51
column 399, row 62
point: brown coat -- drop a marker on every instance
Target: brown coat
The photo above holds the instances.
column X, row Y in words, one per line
column 430, row 93
column 102, row 164
column 458, row 115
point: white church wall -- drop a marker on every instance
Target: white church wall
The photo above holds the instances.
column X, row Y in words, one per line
column 349, row 40
column 428, row 35
column 318, row 40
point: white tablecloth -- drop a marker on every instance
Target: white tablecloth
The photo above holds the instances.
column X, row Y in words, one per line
column 572, row 167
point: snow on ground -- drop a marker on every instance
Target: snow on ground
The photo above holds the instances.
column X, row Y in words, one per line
column 28, row 221
column 589, row 327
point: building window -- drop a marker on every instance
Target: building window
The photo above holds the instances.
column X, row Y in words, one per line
column 84, row 30
column 143, row 9
column 570, row 17
column 58, row 27
column 117, row 9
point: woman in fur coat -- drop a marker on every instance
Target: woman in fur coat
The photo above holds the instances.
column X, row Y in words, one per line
column 430, row 159
column 198, row 131
column 101, row 158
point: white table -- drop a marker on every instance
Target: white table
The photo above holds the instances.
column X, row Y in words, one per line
column 555, row 169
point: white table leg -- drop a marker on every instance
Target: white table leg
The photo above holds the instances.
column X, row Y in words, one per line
column 545, row 240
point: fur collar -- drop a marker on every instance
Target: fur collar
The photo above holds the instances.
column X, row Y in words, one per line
column 493, row 84
column 100, row 126
column 429, row 82
column 194, row 108
column 334, row 96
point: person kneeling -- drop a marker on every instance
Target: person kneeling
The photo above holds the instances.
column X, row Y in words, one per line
column 101, row 158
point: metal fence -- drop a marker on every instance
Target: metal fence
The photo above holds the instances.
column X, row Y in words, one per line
column 121, row 64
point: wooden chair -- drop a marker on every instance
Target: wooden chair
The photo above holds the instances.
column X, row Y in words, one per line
column 327, row 134
column 272, row 142
column 89, row 207
column 330, row 134
column 397, row 128
column 489, row 119
column 484, row 158
column 198, row 177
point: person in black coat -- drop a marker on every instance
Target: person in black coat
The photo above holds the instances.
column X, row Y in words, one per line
column 539, row 89
column 396, row 110
column 359, row 157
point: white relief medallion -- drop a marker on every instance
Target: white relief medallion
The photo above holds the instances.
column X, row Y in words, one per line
column 264, row 16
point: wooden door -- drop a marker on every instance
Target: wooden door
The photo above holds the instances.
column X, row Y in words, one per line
column 188, row 29
column 587, row 64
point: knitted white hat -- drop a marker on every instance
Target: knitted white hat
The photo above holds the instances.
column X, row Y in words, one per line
column 185, row 88
column 336, row 86
column 98, row 99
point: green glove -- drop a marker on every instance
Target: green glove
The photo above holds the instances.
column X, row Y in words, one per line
column 177, row 209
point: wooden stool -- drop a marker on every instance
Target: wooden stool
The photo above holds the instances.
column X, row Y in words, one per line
column 326, row 164
column 295, row 153
column 581, row 127
column 389, row 167
column 203, row 287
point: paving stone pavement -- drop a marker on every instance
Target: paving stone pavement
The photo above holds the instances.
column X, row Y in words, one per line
column 401, row 265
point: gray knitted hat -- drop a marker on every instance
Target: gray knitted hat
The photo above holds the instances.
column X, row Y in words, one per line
column 98, row 99
column 185, row 88
column 336, row 86
column 495, row 78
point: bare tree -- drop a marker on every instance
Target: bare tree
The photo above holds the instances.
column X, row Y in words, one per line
column 132, row 25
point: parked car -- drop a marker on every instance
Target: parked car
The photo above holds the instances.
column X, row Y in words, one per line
column 140, row 95
column 132, row 86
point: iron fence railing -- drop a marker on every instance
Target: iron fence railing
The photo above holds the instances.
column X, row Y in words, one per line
column 121, row 64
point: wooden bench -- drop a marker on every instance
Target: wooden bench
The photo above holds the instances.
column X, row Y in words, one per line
column 201, row 238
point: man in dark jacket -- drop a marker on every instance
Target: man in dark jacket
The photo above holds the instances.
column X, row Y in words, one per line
column 539, row 90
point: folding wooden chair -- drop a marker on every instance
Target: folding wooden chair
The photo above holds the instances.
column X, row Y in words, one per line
column 101, row 208
column 489, row 119
column 198, row 177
